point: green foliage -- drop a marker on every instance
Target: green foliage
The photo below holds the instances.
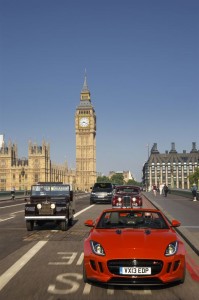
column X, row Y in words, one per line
column 194, row 178
column 133, row 182
column 117, row 179
column 103, row 179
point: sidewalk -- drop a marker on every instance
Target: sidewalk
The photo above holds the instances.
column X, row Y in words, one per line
column 182, row 209
column 6, row 198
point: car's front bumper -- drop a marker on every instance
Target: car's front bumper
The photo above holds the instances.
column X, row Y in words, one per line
column 95, row 199
column 34, row 218
column 172, row 270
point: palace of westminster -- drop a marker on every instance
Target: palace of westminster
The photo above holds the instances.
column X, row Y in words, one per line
column 172, row 168
column 22, row 173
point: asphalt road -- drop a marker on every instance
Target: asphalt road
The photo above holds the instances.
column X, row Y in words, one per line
column 47, row 263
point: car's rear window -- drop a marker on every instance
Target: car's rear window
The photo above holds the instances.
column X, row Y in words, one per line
column 127, row 190
column 102, row 186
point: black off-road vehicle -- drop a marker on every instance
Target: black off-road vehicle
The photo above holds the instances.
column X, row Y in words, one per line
column 50, row 201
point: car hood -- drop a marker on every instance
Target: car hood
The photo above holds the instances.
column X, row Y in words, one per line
column 126, row 243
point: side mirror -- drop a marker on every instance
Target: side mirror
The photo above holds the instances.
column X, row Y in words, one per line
column 175, row 223
column 89, row 223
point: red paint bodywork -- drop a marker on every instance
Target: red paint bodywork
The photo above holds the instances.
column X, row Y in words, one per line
column 133, row 246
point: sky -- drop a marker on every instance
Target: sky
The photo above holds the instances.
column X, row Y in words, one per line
column 142, row 64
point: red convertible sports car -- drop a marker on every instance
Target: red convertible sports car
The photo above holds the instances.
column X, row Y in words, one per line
column 127, row 196
column 133, row 246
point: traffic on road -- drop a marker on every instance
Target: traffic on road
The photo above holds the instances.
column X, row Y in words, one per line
column 47, row 263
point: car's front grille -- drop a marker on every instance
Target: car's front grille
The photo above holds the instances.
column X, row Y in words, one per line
column 126, row 201
column 114, row 265
column 45, row 209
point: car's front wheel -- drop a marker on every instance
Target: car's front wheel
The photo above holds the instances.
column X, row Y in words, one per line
column 91, row 202
column 29, row 225
column 70, row 221
column 64, row 225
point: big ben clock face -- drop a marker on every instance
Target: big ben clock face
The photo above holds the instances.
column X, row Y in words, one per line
column 84, row 122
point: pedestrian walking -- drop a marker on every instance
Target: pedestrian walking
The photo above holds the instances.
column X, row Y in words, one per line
column 166, row 189
column 13, row 193
column 154, row 188
column 161, row 188
column 194, row 192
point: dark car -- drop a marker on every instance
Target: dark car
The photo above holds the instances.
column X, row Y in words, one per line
column 101, row 192
column 127, row 196
column 50, row 202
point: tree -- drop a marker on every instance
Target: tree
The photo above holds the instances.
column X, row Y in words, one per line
column 103, row 179
column 117, row 179
column 194, row 178
column 133, row 182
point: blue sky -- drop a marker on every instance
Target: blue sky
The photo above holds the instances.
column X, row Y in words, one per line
column 142, row 62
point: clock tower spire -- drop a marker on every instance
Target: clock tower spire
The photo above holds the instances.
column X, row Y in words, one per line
column 85, row 125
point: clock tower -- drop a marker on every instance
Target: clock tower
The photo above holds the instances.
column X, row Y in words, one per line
column 85, row 126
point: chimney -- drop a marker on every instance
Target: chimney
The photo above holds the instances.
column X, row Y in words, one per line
column 173, row 150
column 194, row 150
column 154, row 149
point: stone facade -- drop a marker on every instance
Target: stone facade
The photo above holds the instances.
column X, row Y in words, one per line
column 21, row 173
column 171, row 167
column 85, row 126
column 126, row 174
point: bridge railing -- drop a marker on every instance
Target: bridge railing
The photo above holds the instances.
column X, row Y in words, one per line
column 8, row 193
column 183, row 193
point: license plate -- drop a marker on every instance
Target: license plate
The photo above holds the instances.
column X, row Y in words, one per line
column 135, row 270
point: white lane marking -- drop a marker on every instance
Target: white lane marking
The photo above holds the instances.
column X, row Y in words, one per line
column 66, row 279
column 2, row 220
column 137, row 292
column 110, row 291
column 12, row 215
column 80, row 260
column 83, row 210
column 87, row 289
column 12, row 271
column 9, row 206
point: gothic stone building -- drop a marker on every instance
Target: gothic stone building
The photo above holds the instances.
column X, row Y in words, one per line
column 171, row 167
column 85, row 128
column 21, row 173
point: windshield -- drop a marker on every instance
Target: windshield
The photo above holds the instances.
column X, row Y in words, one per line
column 132, row 219
column 127, row 190
column 102, row 187
column 50, row 190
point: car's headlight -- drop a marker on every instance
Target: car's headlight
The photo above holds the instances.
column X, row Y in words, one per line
column 119, row 199
column 171, row 248
column 39, row 205
column 52, row 205
column 134, row 199
column 97, row 248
